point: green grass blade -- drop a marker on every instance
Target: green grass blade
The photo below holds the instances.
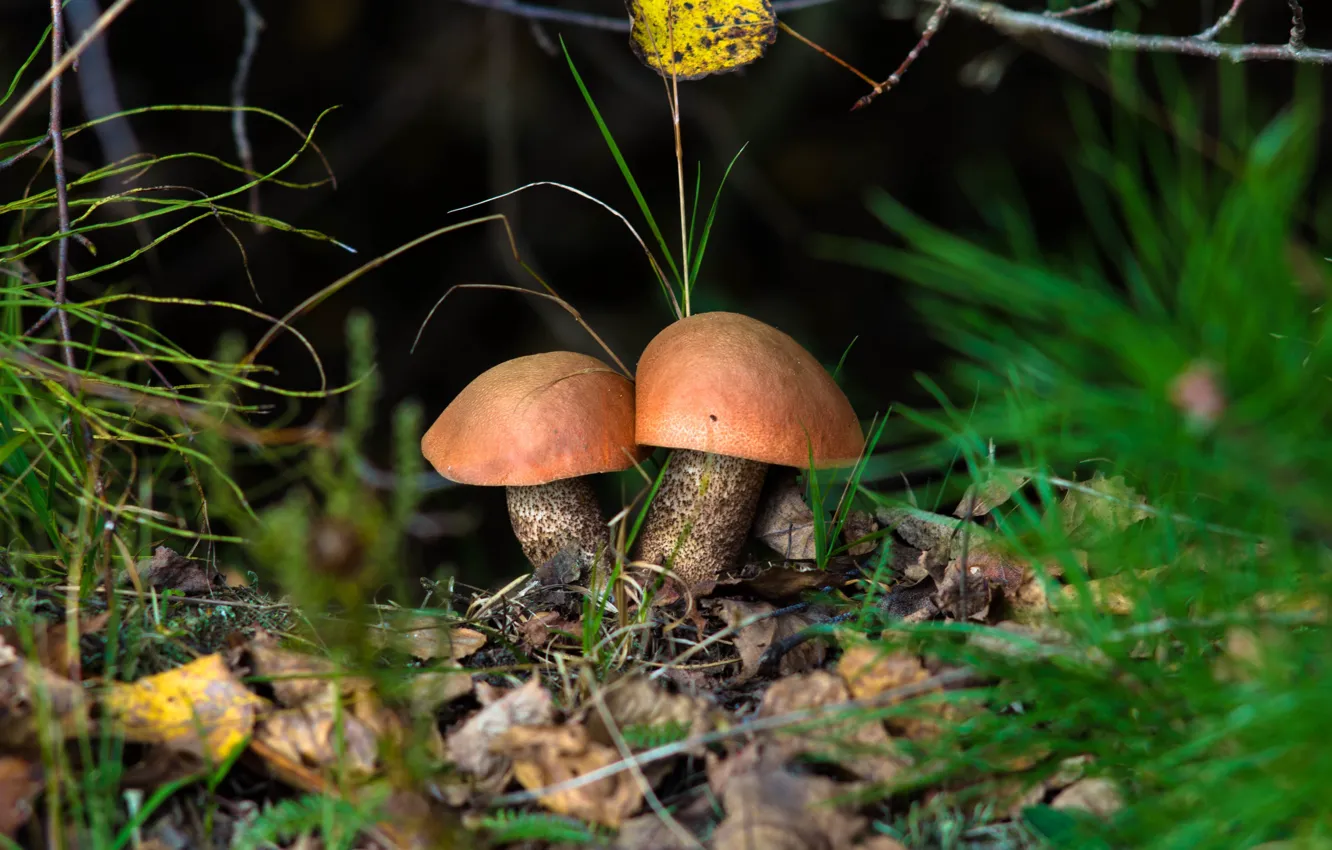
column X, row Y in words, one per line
column 841, row 361
column 18, row 75
column 642, row 512
column 707, row 227
column 624, row 166
column 693, row 210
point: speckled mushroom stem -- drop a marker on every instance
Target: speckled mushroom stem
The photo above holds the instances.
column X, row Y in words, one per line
column 548, row 517
column 705, row 505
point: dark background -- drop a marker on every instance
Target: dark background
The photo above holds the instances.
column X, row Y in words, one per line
column 443, row 105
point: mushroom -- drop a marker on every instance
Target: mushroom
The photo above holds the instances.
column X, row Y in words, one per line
column 536, row 425
column 731, row 395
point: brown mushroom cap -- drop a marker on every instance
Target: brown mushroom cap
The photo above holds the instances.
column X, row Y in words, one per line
column 728, row 384
column 536, row 419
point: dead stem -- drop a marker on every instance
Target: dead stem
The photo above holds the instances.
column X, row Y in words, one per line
column 254, row 24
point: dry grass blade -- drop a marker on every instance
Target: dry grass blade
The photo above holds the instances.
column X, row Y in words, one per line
column 656, row 268
column 549, row 296
column 69, row 58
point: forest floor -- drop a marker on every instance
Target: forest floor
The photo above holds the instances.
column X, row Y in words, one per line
column 779, row 708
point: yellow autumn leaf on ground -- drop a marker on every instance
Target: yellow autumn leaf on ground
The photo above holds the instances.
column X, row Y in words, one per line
column 199, row 708
column 691, row 39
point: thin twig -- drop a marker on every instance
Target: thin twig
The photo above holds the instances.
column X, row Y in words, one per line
column 1221, row 23
column 956, row 677
column 254, row 24
column 936, row 21
column 826, row 53
column 1011, row 23
column 1085, row 9
column 31, row 95
column 536, row 12
column 1014, row 23
column 5, row 163
column 62, row 191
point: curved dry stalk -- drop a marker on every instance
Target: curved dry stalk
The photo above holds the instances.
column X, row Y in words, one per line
column 68, row 59
column 656, row 268
column 341, row 283
column 549, row 296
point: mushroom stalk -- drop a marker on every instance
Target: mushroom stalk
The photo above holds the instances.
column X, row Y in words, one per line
column 700, row 517
column 548, row 517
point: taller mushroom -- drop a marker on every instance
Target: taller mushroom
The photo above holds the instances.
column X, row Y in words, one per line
column 732, row 396
column 536, row 425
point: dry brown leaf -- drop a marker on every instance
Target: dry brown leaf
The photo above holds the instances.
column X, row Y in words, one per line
column 24, row 688
column 964, row 598
column 50, row 647
column 538, row 629
column 1096, row 795
column 785, row 523
column 753, row 640
column 1111, row 507
column 311, row 736
column 297, row 677
column 869, row 671
column 469, row 745
column 168, row 570
column 773, row 808
column 1004, row 571
column 545, row 755
column 779, row 582
column 859, row 744
column 413, row 821
column 640, row 701
column 650, row 832
column 997, row 488
column 433, row 688
column 859, row 524
column 20, row 783
column 199, row 709
column 429, row 637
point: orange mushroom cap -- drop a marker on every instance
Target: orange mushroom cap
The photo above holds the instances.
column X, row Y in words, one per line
column 534, row 420
column 728, row 384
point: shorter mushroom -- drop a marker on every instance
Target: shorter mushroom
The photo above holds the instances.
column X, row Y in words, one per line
column 536, row 425
column 731, row 395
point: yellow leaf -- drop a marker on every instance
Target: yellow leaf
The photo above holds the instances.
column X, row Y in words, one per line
column 199, row 708
column 694, row 38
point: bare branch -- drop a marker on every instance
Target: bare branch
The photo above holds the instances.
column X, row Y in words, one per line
column 1221, row 23
column 68, row 59
column 936, row 21
column 537, row 12
column 1015, row 23
column 1084, row 9
column 5, row 163
column 56, row 134
column 254, row 24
